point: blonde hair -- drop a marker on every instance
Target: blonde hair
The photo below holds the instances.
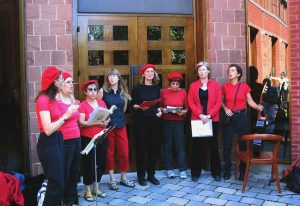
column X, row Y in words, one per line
column 155, row 79
column 121, row 84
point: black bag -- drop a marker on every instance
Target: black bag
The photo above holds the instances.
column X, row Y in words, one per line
column 292, row 176
column 225, row 119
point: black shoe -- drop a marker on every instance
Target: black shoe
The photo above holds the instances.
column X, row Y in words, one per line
column 153, row 180
column 195, row 178
column 241, row 177
column 217, row 178
column 142, row 181
column 227, row 175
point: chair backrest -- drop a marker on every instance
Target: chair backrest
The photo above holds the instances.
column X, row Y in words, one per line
column 269, row 137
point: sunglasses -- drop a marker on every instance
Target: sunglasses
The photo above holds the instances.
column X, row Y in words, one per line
column 92, row 89
column 175, row 83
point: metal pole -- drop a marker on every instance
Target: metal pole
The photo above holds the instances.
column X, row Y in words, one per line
column 95, row 162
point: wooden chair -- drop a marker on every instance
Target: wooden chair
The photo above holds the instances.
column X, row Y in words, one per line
column 265, row 157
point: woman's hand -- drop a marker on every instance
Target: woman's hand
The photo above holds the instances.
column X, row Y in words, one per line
column 71, row 109
column 260, row 107
column 164, row 110
column 204, row 118
column 136, row 106
column 182, row 112
column 228, row 112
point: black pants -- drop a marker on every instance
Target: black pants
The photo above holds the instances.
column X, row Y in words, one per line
column 72, row 170
column 147, row 145
column 88, row 161
column 238, row 126
column 197, row 160
column 50, row 150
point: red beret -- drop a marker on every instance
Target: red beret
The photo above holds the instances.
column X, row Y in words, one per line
column 146, row 66
column 86, row 83
column 175, row 75
column 66, row 75
column 49, row 76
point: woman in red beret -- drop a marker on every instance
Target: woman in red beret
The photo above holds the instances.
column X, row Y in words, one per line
column 50, row 146
column 205, row 100
column 146, row 124
column 71, row 135
column 115, row 92
column 174, row 107
column 88, row 129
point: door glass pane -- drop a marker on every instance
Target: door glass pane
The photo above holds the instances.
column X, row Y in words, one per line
column 120, row 33
column 178, row 56
column 96, row 57
column 100, row 79
column 177, row 33
column 95, row 33
column 120, row 57
column 154, row 33
column 154, row 56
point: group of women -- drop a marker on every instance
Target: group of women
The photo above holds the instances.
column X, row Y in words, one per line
column 65, row 128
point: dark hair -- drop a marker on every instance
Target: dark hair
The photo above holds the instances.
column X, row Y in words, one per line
column 238, row 69
column 50, row 92
column 253, row 72
column 268, row 81
column 92, row 83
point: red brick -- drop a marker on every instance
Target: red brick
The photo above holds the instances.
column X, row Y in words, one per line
column 215, row 42
column 41, row 27
column 34, row 74
column 235, row 56
column 221, row 29
column 57, row 1
column 32, row 11
column 48, row 42
column 221, row 4
column 30, row 58
column 228, row 15
column 48, row 11
column 42, row 58
column 64, row 42
column 69, row 57
column 40, row 2
column 234, row 29
column 58, row 58
column 222, row 56
column 64, row 12
column 228, row 42
column 33, row 43
column 57, row 27
column 29, row 27
column 239, row 16
column 214, row 15
column 69, row 27
column 235, row 4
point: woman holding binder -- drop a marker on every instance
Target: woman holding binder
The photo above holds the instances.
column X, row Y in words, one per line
column 146, row 124
column 115, row 92
column 50, row 146
column 236, row 95
column 174, row 107
column 205, row 100
column 87, row 130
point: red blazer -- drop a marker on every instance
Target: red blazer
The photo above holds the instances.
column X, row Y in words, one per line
column 214, row 100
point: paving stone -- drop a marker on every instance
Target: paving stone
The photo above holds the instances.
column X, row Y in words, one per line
column 195, row 203
column 215, row 201
column 225, row 190
column 204, row 180
column 193, row 197
column 260, row 190
column 156, row 189
column 206, row 187
column 175, row 193
column 118, row 202
column 156, row 196
column 138, row 186
column 292, row 201
column 232, row 203
column 190, row 190
column 230, row 197
column 252, row 201
column 187, row 183
column 267, row 197
column 270, row 203
column 209, row 193
column 158, row 203
column 246, row 193
column 177, row 200
column 139, row 199
column 172, row 187
column 220, row 184
column 139, row 192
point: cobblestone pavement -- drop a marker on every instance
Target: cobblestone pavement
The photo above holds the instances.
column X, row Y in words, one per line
column 204, row 192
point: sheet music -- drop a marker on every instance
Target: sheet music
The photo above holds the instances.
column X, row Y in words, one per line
column 201, row 130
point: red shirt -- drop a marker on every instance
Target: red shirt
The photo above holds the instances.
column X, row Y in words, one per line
column 43, row 104
column 69, row 129
column 229, row 91
column 87, row 109
column 214, row 102
column 175, row 99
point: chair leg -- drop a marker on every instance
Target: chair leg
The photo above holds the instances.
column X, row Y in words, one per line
column 275, row 169
column 246, row 176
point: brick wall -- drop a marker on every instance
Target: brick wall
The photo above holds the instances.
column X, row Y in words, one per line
column 49, row 42
column 294, row 9
column 226, row 39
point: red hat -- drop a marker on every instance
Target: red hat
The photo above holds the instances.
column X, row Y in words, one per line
column 87, row 83
column 49, row 76
column 146, row 66
column 66, row 75
column 175, row 75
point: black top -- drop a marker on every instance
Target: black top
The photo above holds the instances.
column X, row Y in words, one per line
column 117, row 117
column 203, row 96
column 141, row 93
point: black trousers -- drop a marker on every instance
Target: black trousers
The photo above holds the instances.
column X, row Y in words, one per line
column 50, row 150
column 88, row 161
column 72, row 170
column 147, row 145
column 197, row 153
column 238, row 126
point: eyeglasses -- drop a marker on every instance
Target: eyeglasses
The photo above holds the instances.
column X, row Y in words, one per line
column 175, row 83
column 69, row 82
column 92, row 89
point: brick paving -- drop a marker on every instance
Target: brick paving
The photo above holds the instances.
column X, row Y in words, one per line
column 204, row 192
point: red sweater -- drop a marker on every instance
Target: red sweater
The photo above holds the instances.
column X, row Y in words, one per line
column 214, row 100
column 175, row 99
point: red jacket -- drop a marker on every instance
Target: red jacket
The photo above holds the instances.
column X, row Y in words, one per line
column 214, row 100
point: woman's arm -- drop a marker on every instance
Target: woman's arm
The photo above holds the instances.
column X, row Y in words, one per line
column 100, row 94
column 84, row 123
column 252, row 104
column 125, row 105
column 194, row 107
column 48, row 126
